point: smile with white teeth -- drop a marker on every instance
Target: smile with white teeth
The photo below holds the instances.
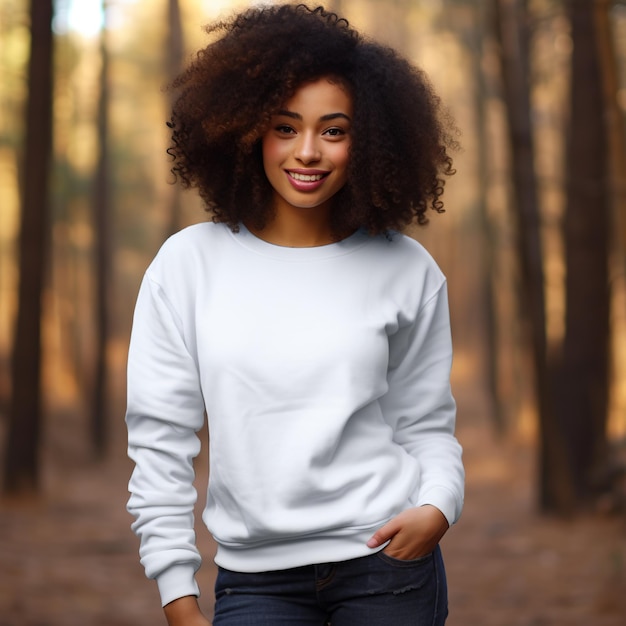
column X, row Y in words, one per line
column 306, row 178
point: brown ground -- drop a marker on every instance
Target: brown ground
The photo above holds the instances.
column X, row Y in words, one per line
column 69, row 559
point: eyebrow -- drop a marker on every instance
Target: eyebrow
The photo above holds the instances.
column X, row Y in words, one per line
column 324, row 118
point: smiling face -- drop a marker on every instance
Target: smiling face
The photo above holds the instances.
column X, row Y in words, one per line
column 306, row 149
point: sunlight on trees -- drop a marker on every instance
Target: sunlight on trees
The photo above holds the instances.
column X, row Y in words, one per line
column 453, row 40
column 474, row 243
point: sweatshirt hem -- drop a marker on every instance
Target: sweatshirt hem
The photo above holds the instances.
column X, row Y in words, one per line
column 290, row 554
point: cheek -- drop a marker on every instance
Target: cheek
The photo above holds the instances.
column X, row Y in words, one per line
column 271, row 152
column 342, row 159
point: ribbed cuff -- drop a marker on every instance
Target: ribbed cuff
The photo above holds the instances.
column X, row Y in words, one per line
column 444, row 500
column 176, row 582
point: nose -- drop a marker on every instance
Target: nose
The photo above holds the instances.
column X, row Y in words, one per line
column 307, row 149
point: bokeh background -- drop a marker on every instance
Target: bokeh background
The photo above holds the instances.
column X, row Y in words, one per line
column 533, row 242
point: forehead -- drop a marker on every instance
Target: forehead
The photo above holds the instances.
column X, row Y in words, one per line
column 324, row 94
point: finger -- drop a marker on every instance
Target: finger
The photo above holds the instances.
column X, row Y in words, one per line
column 382, row 535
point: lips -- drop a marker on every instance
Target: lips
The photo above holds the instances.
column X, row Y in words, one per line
column 306, row 180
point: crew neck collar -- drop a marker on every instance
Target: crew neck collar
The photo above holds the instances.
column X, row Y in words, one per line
column 250, row 241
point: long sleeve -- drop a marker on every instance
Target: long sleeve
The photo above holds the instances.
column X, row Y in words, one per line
column 420, row 407
column 165, row 409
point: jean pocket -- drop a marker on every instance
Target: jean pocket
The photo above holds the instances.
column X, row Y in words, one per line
column 395, row 562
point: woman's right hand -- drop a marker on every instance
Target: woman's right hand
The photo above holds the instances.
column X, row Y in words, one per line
column 185, row 612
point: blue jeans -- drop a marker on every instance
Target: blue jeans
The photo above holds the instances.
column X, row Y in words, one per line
column 375, row 590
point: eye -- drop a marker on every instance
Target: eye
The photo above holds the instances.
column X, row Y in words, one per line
column 334, row 132
column 284, row 129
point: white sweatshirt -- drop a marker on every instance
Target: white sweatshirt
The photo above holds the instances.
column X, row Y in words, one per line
column 324, row 373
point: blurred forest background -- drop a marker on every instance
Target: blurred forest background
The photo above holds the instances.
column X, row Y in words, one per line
column 533, row 242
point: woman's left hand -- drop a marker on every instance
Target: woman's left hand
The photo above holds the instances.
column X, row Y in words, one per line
column 411, row 534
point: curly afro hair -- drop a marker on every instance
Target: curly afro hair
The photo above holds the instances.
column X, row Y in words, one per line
column 400, row 138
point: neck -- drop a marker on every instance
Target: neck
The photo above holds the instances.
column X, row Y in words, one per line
column 298, row 228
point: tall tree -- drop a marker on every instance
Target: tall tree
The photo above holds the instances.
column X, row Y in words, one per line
column 477, row 30
column 614, row 120
column 102, row 218
column 513, row 30
column 21, row 467
column 584, row 370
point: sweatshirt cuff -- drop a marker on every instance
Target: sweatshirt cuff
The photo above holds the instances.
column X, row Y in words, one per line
column 445, row 501
column 176, row 582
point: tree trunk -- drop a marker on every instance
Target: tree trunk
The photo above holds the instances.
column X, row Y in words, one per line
column 512, row 19
column 584, row 380
column 102, row 208
column 482, row 20
column 615, row 128
column 21, row 466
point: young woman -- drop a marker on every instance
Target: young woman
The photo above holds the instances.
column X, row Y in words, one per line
column 313, row 334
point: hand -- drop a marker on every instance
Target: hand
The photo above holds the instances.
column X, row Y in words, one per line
column 411, row 534
column 185, row 612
